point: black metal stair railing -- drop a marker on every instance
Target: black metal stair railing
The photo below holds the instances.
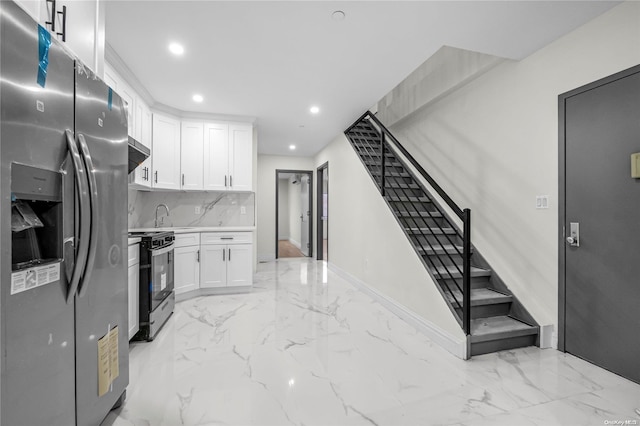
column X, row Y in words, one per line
column 430, row 230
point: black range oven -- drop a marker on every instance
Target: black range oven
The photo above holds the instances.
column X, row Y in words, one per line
column 157, row 297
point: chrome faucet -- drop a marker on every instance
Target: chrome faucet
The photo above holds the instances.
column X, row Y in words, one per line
column 157, row 208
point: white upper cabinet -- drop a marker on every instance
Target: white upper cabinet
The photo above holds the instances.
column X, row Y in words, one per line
column 216, row 157
column 142, row 173
column 79, row 25
column 166, row 152
column 228, row 157
column 240, row 157
column 191, row 155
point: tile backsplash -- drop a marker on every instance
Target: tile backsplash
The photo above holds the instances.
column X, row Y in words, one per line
column 215, row 208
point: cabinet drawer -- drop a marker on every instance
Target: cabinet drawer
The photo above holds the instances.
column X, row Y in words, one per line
column 185, row 240
column 134, row 254
column 226, row 237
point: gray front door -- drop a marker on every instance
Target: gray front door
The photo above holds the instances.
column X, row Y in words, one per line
column 602, row 268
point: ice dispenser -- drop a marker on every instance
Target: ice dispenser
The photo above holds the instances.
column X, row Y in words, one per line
column 36, row 227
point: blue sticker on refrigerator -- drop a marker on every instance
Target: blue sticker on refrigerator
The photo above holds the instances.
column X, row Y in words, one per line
column 44, row 43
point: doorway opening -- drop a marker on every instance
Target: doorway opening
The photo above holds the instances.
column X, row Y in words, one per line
column 294, row 200
column 322, row 203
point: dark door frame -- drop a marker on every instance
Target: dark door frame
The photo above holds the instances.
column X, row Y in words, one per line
column 319, row 202
column 301, row 172
column 562, row 192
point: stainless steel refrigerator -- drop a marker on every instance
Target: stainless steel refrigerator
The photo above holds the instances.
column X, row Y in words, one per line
column 63, row 230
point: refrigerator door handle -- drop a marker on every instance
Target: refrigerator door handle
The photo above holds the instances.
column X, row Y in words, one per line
column 93, row 229
column 83, row 207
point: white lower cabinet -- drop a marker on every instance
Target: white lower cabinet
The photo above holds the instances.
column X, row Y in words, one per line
column 187, row 263
column 213, row 260
column 214, row 266
column 133, row 281
column 226, row 265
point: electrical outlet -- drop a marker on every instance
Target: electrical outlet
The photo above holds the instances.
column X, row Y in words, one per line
column 197, row 210
column 243, row 210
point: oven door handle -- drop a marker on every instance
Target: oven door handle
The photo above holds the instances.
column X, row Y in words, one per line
column 84, row 213
column 162, row 251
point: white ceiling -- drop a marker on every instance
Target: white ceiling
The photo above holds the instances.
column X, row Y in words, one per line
column 273, row 60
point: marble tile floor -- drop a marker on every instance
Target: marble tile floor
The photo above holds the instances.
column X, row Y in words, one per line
column 308, row 348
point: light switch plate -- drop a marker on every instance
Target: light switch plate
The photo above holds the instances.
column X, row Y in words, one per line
column 542, row 201
column 243, row 210
column 197, row 210
column 635, row 165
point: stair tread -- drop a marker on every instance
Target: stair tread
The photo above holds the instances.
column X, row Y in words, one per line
column 402, row 198
column 422, row 214
column 394, row 185
column 481, row 296
column 499, row 327
column 432, row 231
column 441, row 249
column 392, row 174
column 452, row 271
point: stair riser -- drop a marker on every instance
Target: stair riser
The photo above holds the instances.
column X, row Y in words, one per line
column 480, row 348
column 404, row 192
column 443, row 259
column 399, row 180
column 476, row 282
column 436, row 240
column 389, row 168
column 485, row 311
column 418, row 222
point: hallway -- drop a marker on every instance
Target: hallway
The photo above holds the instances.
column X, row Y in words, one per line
column 306, row 347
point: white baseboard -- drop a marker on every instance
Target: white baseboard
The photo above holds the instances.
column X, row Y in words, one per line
column 266, row 257
column 294, row 242
column 450, row 343
column 548, row 337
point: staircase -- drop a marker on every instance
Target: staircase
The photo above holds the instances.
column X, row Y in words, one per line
column 491, row 317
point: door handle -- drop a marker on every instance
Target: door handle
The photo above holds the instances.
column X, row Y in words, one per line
column 230, row 180
column 229, row 255
column 93, row 227
column 224, row 255
column 83, row 207
column 574, row 235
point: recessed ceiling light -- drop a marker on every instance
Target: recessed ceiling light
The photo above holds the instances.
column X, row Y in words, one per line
column 176, row 49
column 198, row 98
column 338, row 15
column 314, row 109
column 292, row 147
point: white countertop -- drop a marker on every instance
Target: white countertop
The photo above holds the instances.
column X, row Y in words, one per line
column 187, row 229
column 135, row 240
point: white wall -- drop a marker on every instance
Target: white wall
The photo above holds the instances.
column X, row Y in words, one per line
column 493, row 145
column 283, row 209
column 266, row 198
column 366, row 241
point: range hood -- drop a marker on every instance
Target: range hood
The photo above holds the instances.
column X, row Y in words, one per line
column 137, row 153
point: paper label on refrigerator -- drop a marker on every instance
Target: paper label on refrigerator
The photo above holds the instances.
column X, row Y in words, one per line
column 104, row 372
column 108, row 363
column 163, row 281
column 34, row 277
column 113, row 353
